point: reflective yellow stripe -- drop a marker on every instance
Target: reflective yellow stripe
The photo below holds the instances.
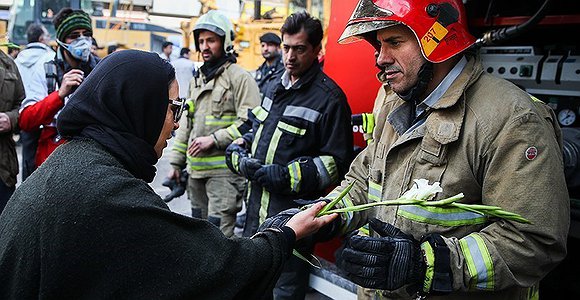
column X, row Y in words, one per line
column 234, row 132
column 206, row 163
column 375, row 191
column 180, row 147
column 264, row 203
column 368, row 123
column 257, row 138
column 291, row 128
column 223, row 121
column 534, row 99
column 440, row 216
column 273, row 146
column 479, row 262
column 236, row 161
column 534, row 293
column 260, row 113
column 190, row 106
column 295, row 176
column 430, row 262
column 433, row 37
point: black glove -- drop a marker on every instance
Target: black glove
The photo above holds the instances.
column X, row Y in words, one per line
column 177, row 186
column 234, row 153
column 249, row 166
column 239, row 162
column 274, row 178
column 388, row 262
column 279, row 220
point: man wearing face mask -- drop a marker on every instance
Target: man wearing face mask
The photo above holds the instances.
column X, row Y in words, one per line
column 72, row 62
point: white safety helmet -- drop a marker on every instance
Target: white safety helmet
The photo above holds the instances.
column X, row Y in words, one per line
column 217, row 23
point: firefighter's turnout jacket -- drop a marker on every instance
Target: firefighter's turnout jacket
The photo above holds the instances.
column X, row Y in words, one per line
column 218, row 108
column 498, row 146
column 307, row 125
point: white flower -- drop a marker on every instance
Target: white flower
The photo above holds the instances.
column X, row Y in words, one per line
column 422, row 190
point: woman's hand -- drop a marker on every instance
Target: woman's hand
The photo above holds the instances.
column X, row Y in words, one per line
column 306, row 223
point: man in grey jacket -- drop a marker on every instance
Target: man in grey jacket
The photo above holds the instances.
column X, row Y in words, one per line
column 30, row 63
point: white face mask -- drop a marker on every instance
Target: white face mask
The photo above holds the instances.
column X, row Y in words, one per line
column 79, row 48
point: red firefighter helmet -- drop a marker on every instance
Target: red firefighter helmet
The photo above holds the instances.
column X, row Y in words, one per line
column 439, row 25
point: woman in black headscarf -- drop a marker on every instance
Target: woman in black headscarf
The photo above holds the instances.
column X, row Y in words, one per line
column 87, row 225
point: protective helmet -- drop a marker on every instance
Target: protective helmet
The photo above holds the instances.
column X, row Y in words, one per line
column 439, row 25
column 217, row 23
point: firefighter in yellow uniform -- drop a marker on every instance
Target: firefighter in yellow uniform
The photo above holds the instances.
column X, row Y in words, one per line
column 442, row 118
column 220, row 98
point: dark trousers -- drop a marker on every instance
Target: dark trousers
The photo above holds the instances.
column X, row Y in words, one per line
column 29, row 142
column 5, row 194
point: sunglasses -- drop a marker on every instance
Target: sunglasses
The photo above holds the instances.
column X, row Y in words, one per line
column 177, row 106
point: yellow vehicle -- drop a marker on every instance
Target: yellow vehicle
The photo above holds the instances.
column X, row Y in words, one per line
column 270, row 19
column 3, row 36
column 129, row 34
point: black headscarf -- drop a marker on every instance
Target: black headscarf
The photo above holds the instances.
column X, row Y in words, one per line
column 122, row 105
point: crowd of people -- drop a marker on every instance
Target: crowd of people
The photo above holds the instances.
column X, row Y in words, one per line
column 85, row 223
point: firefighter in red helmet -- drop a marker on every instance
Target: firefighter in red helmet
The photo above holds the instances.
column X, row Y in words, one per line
column 440, row 117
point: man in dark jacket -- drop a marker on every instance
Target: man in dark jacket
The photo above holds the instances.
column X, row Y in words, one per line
column 273, row 65
column 11, row 94
column 301, row 141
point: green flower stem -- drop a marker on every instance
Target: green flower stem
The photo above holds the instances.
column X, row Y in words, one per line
column 369, row 205
column 332, row 203
column 485, row 210
column 316, row 263
column 443, row 202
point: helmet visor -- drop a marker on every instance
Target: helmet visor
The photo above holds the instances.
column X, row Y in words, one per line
column 355, row 32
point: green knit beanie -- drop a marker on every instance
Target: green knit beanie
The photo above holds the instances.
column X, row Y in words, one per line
column 78, row 19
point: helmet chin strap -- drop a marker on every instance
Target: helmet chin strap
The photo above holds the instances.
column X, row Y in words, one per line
column 425, row 75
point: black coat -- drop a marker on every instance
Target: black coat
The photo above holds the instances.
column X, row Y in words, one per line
column 316, row 107
column 83, row 227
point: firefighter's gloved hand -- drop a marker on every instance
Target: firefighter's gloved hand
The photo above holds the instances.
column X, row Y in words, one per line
column 388, row 262
column 274, row 178
column 249, row 166
column 239, row 162
column 234, row 152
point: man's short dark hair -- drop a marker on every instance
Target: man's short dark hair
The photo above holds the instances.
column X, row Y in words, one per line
column 166, row 44
column 297, row 21
column 34, row 32
column 184, row 51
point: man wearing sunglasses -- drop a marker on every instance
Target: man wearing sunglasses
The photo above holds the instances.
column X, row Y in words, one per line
column 62, row 75
column 221, row 96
